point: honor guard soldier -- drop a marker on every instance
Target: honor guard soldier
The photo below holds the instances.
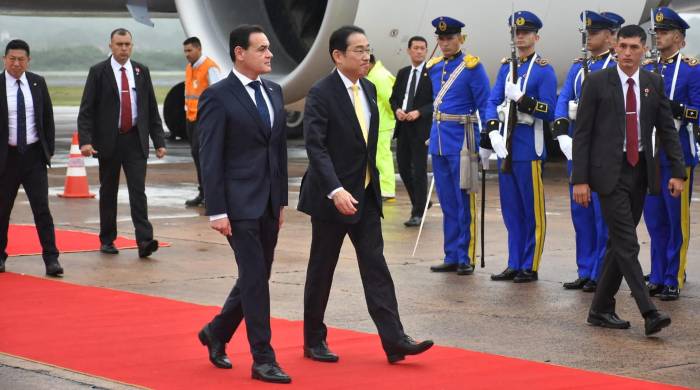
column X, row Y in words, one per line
column 619, row 21
column 460, row 93
column 666, row 217
column 591, row 232
column 522, row 148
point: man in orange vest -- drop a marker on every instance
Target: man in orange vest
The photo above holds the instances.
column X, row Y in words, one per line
column 200, row 73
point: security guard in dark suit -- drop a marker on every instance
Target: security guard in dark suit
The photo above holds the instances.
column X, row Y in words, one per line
column 522, row 194
column 591, row 232
column 668, row 218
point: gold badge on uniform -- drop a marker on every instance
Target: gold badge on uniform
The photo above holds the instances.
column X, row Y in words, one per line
column 659, row 17
column 589, row 22
column 442, row 26
column 520, row 21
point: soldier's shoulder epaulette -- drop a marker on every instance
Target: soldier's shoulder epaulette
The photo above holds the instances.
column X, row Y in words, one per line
column 470, row 61
column 433, row 61
column 542, row 61
column 648, row 61
column 692, row 61
column 578, row 60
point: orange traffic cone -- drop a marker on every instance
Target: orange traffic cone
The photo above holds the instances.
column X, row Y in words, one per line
column 76, row 177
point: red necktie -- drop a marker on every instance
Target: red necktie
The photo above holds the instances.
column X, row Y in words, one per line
column 126, row 104
column 631, row 119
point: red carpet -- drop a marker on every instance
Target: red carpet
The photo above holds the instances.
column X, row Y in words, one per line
column 152, row 342
column 23, row 240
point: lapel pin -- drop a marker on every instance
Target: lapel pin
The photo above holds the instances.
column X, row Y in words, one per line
column 646, row 92
column 34, row 84
column 137, row 70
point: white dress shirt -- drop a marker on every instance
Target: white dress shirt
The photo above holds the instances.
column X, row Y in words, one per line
column 116, row 68
column 251, row 92
column 365, row 108
column 11, row 87
column 418, row 70
column 625, row 87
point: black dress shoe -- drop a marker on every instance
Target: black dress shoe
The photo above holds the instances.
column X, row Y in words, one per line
column 654, row 321
column 216, row 348
column 109, row 249
column 146, row 248
column 54, row 269
column 320, row 353
column 465, row 269
column 507, row 274
column 196, row 201
column 654, row 289
column 444, row 267
column 590, row 286
column 407, row 346
column 525, row 277
column 270, row 372
column 413, row 222
column 576, row 284
column 670, row 293
column 607, row 320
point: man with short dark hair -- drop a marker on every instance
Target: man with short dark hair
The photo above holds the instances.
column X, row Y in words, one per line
column 412, row 104
column 243, row 149
column 118, row 113
column 200, row 72
column 613, row 154
column 340, row 191
column 27, row 137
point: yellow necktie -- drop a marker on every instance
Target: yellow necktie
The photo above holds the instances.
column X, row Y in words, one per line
column 360, row 113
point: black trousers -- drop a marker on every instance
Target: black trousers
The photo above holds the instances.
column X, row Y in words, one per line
column 326, row 241
column 253, row 243
column 622, row 210
column 128, row 156
column 412, row 159
column 193, row 137
column 29, row 170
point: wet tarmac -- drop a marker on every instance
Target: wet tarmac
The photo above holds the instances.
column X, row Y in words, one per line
column 538, row 321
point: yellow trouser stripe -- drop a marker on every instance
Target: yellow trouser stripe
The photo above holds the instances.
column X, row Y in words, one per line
column 540, row 219
column 472, row 229
column 685, row 228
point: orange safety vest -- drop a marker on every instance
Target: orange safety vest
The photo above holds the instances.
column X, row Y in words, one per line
column 196, row 81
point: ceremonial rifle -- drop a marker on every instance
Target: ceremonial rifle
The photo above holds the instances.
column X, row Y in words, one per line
column 512, row 106
column 584, row 44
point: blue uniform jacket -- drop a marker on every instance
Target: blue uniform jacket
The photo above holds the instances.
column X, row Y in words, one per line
column 468, row 94
column 571, row 90
column 539, row 99
column 685, row 101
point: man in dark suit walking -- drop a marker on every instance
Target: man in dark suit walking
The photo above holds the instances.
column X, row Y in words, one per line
column 118, row 113
column 27, row 136
column 340, row 191
column 614, row 154
column 243, row 155
column 412, row 103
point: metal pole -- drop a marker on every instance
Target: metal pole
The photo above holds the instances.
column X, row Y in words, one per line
column 425, row 213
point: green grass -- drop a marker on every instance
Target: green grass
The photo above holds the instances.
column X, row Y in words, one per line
column 70, row 96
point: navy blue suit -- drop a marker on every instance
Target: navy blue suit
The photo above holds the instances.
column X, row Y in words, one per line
column 244, row 174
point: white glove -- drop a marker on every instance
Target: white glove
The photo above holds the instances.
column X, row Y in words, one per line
column 513, row 92
column 565, row 145
column 498, row 144
column 484, row 155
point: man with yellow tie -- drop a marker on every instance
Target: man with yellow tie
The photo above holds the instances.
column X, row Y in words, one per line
column 340, row 191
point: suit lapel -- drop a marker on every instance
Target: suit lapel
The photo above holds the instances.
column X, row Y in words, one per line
column 346, row 105
column 644, row 87
column 241, row 94
column 111, row 80
column 138, row 85
column 616, row 87
column 5, row 127
column 37, row 99
column 276, row 105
